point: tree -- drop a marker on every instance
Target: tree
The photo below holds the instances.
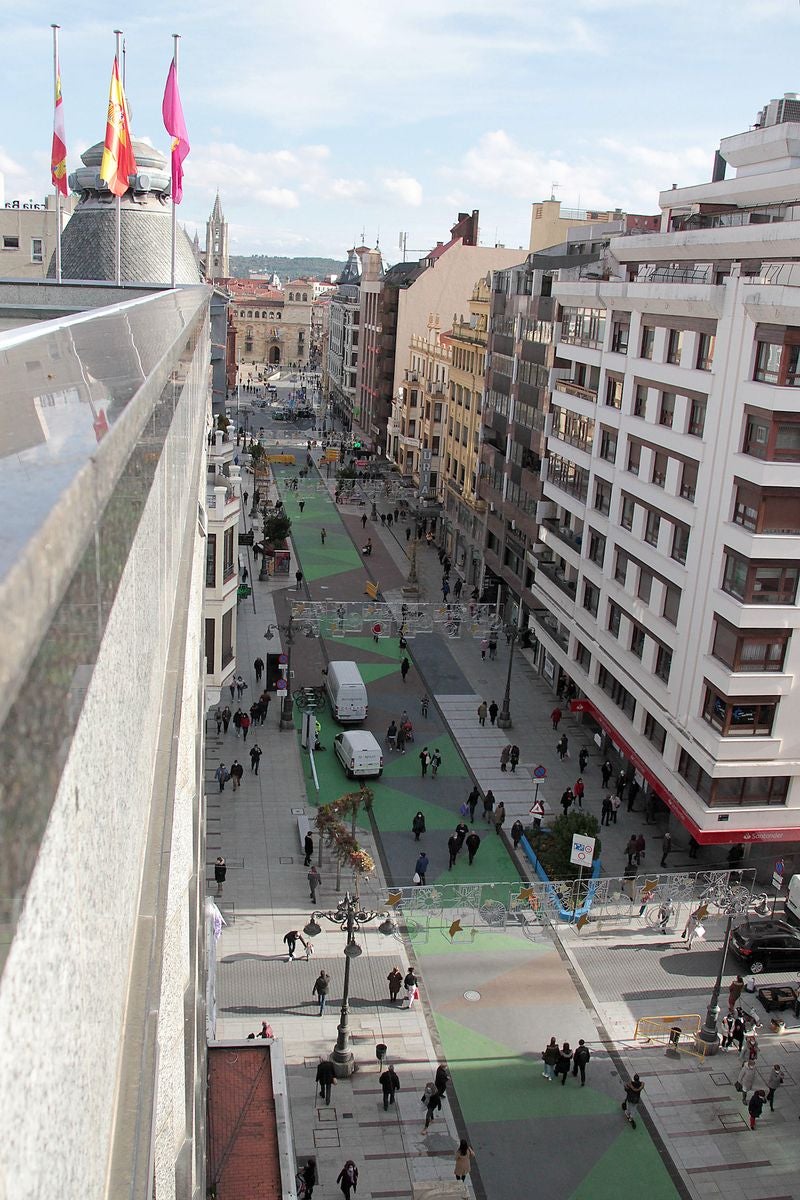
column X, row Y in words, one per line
column 276, row 527
column 553, row 849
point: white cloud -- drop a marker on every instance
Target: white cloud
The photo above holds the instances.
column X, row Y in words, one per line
column 405, row 189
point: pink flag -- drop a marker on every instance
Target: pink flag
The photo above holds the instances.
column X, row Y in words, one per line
column 172, row 112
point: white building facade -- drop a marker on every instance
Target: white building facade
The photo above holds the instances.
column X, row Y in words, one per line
column 670, row 528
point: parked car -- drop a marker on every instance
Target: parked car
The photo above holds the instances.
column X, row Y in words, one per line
column 766, row 945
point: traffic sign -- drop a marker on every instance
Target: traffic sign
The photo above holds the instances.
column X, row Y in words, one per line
column 779, row 867
column 582, row 851
column 283, row 660
column 537, row 808
column 777, row 881
column 281, row 685
column 376, row 628
column 540, row 772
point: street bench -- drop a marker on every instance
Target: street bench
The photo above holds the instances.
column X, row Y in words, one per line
column 303, row 827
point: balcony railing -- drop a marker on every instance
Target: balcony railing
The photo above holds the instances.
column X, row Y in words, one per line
column 674, row 275
column 563, row 532
column 576, row 389
column 568, row 586
column 551, row 626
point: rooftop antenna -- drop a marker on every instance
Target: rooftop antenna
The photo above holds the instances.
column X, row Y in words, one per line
column 553, row 187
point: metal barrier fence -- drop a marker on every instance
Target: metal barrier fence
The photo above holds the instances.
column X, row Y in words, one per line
column 333, row 618
column 618, row 901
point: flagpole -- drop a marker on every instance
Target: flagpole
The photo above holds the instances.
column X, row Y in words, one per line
column 118, row 238
column 175, row 39
column 55, row 29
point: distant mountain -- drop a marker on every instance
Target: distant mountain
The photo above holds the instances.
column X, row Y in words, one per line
column 285, row 268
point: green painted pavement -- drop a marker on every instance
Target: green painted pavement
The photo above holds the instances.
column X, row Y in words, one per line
column 394, row 811
column 318, row 561
column 401, row 765
column 631, row 1164
column 438, row 942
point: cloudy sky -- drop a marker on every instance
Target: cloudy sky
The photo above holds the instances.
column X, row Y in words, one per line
column 318, row 119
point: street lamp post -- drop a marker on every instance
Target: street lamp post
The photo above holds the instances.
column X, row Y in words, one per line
column 287, row 719
column 349, row 916
column 411, row 585
column 504, row 716
column 708, row 1037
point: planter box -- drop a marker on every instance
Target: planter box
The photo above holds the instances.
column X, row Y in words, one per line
column 564, row 914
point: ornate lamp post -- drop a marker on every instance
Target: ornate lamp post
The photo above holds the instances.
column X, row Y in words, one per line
column 737, row 906
column 349, row 916
column 287, row 718
column 411, row 585
column 504, row 716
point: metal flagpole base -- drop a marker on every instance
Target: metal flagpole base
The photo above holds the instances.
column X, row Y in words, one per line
column 504, row 721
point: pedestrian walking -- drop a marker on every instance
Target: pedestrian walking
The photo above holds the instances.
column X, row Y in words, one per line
column 420, row 868
column 264, row 700
column 405, row 667
column 418, row 825
column 493, row 711
column 605, row 811
column 464, row 1157
column 630, row 1105
column 348, row 1178
column 493, row 647
column 736, row 1030
column 606, row 771
column 323, row 533
column 232, row 688
column 226, row 718
column 244, row 725
column 583, row 759
column 433, row 1103
column 441, row 1079
column 255, row 757
column 326, row 1077
column 412, row 993
column 734, row 992
column 550, row 1056
column 220, row 874
column 320, row 990
column 499, row 817
column 389, row 1085
column 237, row 770
column 241, row 687
column 641, row 847
column 395, row 980
column 258, row 667
column 622, row 780
column 473, row 843
column 615, row 807
column 505, row 755
column 461, row 832
column 634, row 787
column 484, row 648
column 363, row 520
column 222, row 775
column 746, row 1078
column 514, row 758
column 472, row 802
column 562, row 746
column 401, row 739
column 424, row 760
column 314, row 881
column 391, row 735
column 564, row 1062
column 218, row 718
column 579, row 790
column 579, row 1060
column 666, row 847
column 309, row 1176
column 555, row 717
column 290, row 941
column 424, row 702
column 436, row 762
column 630, row 850
column 298, row 578
column 775, row 1080
column 453, row 847
column 408, row 533
column 566, row 800
column 756, row 1106
column 517, row 833
column 482, row 712
column 308, row 849
column 488, row 805
column 301, row 504
column 693, row 928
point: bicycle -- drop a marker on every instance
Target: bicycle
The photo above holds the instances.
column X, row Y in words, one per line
column 724, row 895
column 310, row 699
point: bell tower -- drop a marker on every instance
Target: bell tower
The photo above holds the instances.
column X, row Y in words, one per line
column 217, row 266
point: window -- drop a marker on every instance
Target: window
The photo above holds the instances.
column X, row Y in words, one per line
column 645, row 585
column 666, row 409
column 659, row 473
column 602, row 496
column 688, row 480
column 767, row 510
column 773, row 438
column 37, row 250
column 663, row 663
column 227, row 638
column 637, row 640
column 751, row 650
column 613, row 391
column 737, row 791
column 705, row 351
column 209, row 650
column 10, row 242
column 211, row 560
column 739, row 717
column 597, row 547
column 583, row 326
column 759, row 582
column 674, row 347
column 655, row 733
column 648, row 341
column 614, row 619
column 620, row 332
column 634, row 457
column 228, row 556
column 652, row 526
column 591, row 598
column 621, row 566
column 640, row 400
column 582, row 656
column 778, row 358
column 680, row 542
column 696, row 422
column 608, row 445
column 620, row 695
column 672, row 604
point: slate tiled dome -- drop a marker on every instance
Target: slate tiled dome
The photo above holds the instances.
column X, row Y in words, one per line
column 89, row 238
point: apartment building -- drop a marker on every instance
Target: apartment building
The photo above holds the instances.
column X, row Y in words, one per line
column 551, row 225
column 343, row 340
column 669, row 534
column 422, row 420
column 28, row 235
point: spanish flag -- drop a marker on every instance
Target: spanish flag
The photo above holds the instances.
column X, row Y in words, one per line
column 118, row 162
column 58, row 155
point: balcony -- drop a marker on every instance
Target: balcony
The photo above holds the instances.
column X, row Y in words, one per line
column 570, row 537
column 550, row 571
column 553, row 628
column 576, row 389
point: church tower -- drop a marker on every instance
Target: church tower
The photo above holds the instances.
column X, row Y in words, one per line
column 217, row 265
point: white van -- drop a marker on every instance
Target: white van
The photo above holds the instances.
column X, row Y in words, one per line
column 359, row 753
column 347, row 692
column 793, row 900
